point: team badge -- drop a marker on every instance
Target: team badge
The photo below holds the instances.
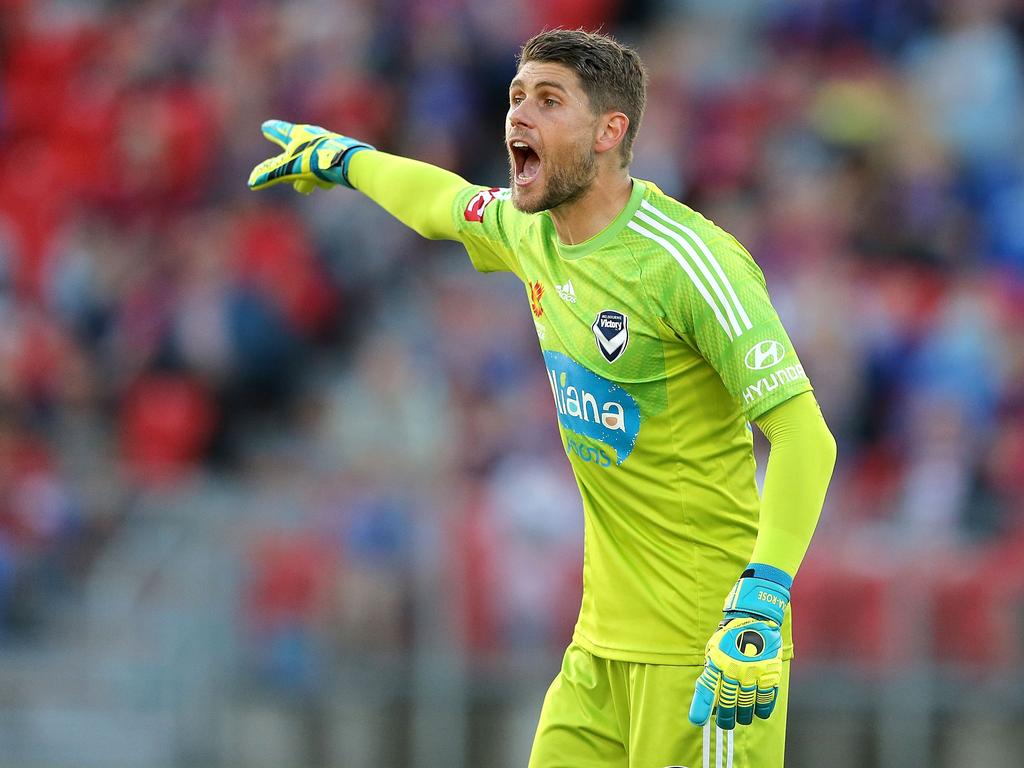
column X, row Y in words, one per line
column 611, row 330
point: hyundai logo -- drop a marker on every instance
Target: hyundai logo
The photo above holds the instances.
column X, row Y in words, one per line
column 764, row 354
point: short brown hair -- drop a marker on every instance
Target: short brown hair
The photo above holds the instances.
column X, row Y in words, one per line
column 612, row 74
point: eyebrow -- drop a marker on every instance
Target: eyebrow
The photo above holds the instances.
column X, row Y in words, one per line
column 517, row 83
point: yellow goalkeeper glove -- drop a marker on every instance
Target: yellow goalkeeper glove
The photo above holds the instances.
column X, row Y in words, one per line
column 743, row 658
column 312, row 157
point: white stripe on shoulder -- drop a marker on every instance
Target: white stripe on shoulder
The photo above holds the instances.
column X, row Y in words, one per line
column 710, row 256
column 695, row 257
column 701, row 288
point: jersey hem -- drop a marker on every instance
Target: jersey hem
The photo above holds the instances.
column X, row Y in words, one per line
column 773, row 402
column 667, row 658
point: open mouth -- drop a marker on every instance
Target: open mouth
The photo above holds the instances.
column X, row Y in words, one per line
column 526, row 161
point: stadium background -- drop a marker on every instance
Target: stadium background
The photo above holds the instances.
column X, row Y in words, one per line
column 280, row 483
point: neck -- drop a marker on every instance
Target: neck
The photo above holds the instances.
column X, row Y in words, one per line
column 586, row 216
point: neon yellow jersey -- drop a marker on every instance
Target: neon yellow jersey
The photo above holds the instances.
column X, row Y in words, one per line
column 661, row 345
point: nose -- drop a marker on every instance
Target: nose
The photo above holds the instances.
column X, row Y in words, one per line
column 519, row 115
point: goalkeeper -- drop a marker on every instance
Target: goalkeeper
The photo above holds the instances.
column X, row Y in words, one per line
column 661, row 347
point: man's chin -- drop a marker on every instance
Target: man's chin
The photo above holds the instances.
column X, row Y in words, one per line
column 521, row 200
column 528, row 199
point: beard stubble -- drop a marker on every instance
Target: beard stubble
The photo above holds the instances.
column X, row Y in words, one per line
column 566, row 182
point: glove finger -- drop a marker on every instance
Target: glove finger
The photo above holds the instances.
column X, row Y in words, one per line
column 306, row 186
column 765, row 702
column 278, row 131
column 745, row 704
column 705, row 691
column 274, row 170
column 727, row 695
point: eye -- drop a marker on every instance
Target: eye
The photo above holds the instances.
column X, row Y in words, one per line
column 515, row 100
column 549, row 102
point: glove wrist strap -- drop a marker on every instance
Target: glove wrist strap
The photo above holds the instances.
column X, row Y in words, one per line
column 762, row 591
column 344, row 157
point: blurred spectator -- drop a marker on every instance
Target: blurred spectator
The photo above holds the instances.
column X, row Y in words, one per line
column 536, row 554
column 388, row 419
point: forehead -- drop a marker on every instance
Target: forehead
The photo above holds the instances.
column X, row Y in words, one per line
column 534, row 73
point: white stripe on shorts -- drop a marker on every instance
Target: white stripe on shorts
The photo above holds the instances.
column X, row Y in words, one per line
column 706, row 748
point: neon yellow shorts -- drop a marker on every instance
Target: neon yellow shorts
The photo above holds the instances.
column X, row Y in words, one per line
column 600, row 713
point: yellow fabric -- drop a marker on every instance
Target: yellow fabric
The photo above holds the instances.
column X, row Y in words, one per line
column 603, row 713
column 436, row 203
column 803, row 454
column 418, row 194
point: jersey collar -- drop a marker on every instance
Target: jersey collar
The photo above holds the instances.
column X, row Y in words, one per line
column 607, row 234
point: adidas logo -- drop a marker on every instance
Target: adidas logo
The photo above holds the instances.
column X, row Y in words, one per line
column 566, row 292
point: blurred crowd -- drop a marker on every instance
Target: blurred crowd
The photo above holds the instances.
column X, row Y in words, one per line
column 160, row 322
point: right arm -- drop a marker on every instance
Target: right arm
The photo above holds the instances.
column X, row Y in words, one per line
column 418, row 194
column 436, row 203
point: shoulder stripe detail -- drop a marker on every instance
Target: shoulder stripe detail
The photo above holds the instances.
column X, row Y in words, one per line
column 689, row 271
column 744, row 318
column 696, row 259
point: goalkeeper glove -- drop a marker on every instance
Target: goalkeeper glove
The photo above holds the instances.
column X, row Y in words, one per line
column 743, row 658
column 312, row 157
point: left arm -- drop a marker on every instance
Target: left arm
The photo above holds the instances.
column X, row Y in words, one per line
column 742, row 667
column 803, row 454
column 738, row 331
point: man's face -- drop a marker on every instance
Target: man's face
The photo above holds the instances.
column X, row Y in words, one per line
column 549, row 133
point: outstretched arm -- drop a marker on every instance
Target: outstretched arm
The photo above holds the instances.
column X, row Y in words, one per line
column 419, row 195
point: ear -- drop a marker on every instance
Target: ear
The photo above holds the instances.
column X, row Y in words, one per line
column 611, row 130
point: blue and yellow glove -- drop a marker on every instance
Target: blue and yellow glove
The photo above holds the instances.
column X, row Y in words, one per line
column 743, row 658
column 312, row 157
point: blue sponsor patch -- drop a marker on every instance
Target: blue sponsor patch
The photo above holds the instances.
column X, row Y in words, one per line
column 592, row 406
